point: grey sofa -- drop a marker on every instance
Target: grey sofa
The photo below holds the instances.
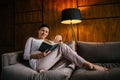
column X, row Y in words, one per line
column 106, row 54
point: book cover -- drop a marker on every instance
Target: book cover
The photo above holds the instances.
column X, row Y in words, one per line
column 46, row 45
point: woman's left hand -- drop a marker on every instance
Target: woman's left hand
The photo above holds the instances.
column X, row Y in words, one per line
column 46, row 52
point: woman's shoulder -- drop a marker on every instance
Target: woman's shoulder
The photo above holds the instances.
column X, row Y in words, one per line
column 34, row 39
column 30, row 38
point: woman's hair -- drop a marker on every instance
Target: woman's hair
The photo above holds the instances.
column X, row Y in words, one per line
column 43, row 25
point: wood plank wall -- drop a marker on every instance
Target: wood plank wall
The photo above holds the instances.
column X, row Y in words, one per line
column 7, row 27
column 100, row 20
column 52, row 16
column 29, row 16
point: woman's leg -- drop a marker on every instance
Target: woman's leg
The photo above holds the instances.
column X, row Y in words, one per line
column 71, row 55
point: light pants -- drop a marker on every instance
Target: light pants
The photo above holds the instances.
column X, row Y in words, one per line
column 59, row 58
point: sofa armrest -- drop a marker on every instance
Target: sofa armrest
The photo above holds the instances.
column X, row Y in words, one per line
column 11, row 58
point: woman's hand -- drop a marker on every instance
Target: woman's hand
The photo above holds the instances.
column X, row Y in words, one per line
column 39, row 55
column 46, row 52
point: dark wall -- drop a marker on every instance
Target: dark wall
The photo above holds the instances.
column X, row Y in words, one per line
column 7, row 27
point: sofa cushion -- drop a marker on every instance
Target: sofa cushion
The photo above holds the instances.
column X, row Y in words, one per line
column 11, row 58
column 17, row 72
column 99, row 51
column 21, row 72
column 83, row 74
column 59, row 74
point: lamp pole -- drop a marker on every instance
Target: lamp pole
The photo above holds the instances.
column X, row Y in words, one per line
column 73, row 33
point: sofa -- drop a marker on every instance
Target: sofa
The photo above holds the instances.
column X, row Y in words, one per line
column 105, row 54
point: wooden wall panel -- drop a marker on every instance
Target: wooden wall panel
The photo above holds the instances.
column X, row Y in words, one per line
column 52, row 16
column 99, row 30
column 19, row 18
column 23, row 32
column 28, row 5
column 100, row 11
column 100, row 20
column 94, row 12
column 82, row 3
column 37, row 16
column 7, row 26
column 28, row 17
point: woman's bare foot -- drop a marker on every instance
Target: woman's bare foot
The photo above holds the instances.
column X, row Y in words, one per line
column 41, row 71
column 100, row 68
column 91, row 66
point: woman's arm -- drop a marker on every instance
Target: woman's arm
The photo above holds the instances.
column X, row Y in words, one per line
column 39, row 55
column 27, row 52
column 36, row 56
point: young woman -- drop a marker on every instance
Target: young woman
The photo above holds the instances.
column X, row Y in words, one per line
column 50, row 60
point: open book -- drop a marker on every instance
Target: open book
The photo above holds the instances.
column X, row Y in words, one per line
column 48, row 45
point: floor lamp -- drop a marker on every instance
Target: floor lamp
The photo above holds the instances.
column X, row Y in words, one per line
column 71, row 16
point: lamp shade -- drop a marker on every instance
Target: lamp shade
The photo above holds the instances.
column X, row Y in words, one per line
column 71, row 15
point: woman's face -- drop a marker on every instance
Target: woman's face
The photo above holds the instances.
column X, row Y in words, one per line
column 43, row 32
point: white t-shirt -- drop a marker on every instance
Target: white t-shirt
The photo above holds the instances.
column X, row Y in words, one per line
column 31, row 47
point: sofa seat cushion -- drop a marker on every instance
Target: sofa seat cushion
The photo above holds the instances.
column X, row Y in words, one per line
column 99, row 51
column 59, row 74
column 21, row 72
column 83, row 74
column 17, row 72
